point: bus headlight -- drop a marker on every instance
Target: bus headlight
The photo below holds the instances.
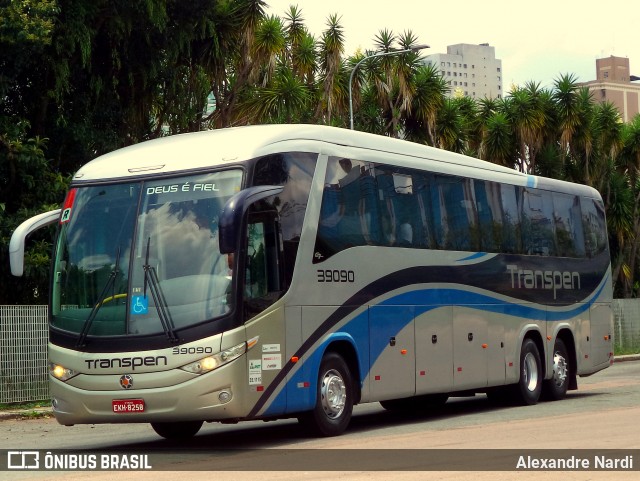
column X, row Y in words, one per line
column 61, row 372
column 210, row 363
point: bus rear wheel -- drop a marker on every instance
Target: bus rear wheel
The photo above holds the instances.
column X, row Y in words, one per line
column 527, row 390
column 334, row 398
column 556, row 388
column 177, row 430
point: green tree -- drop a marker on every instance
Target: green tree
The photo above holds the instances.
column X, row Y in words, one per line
column 333, row 97
column 29, row 186
column 428, row 98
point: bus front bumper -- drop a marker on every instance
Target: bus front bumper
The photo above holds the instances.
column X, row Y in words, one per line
column 215, row 396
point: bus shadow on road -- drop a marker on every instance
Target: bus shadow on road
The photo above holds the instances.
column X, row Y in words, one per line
column 283, row 433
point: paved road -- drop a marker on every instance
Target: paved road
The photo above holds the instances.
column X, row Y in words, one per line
column 603, row 414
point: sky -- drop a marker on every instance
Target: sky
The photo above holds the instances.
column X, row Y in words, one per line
column 536, row 40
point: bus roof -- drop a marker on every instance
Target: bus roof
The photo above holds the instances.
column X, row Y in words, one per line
column 200, row 150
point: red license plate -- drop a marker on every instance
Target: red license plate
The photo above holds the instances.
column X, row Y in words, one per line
column 127, row 405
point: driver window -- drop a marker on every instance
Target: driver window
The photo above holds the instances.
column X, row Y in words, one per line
column 256, row 266
column 263, row 266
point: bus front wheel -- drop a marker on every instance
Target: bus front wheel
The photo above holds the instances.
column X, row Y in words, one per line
column 334, row 398
column 527, row 390
column 177, row 430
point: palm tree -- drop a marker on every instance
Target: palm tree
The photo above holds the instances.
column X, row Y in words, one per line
column 331, row 50
column 393, row 77
column 528, row 120
column 282, row 101
column 241, row 18
column 468, row 111
column 568, row 105
column 302, row 55
column 619, row 201
column 268, row 45
column 430, row 90
column 630, row 157
column 450, row 132
column 498, row 143
column 606, row 135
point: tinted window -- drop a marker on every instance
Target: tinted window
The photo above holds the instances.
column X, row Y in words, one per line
column 372, row 204
column 457, row 212
column 538, row 227
column 568, row 225
column 511, row 232
column 294, row 171
column 489, row 208
column 595, row 229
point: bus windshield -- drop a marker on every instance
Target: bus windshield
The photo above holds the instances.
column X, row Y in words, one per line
column 142, row 258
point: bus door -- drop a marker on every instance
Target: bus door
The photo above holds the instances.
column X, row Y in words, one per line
column 392, row 352
column 262, row 285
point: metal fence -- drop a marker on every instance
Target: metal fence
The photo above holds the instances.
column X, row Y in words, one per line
column 626, row 325
column 23, row 347
column 23, row 353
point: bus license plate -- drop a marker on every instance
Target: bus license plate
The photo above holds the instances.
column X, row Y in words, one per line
column 127, row 405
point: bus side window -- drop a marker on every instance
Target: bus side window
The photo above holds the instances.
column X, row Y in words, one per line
column 349, row 211
column 538, row 226
column 388, row 206
column 485, row 228
column 424, row 210
column 510, row 236
column 568, row 225
column 458, row 205
column 595, row 229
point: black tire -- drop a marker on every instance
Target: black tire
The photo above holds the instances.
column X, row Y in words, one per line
column 416, row 403
column 556, row 388
column 529, row 387
column 178, row 430
column 334, row 398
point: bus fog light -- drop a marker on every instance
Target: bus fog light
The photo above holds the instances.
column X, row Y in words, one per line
column 224, row 397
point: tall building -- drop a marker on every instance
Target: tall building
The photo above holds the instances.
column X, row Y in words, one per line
column 614, row 84
column 470, row 70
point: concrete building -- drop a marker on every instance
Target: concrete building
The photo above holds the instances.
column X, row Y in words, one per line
column 614, row 83
column 470, row 70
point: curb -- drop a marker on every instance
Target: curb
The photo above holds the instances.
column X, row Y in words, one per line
column 626, row 357
column 48, row 411
column 34, row 413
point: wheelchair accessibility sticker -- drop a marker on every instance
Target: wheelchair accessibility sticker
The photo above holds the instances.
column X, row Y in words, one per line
column 139, row 305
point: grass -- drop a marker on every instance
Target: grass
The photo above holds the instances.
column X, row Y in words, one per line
column 24, row 405
column 621, row 351
column 28, row 410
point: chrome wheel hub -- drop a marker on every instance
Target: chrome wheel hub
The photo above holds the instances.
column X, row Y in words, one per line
column 560, row 369
column 530, row 372
column 333, row 394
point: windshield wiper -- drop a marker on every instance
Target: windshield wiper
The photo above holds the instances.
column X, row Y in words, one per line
column 151, row 280
column 111, row 282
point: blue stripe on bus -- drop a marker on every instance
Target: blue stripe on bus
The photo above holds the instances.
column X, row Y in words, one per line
column 416, row 303
column 477, row 255
column 531, row 181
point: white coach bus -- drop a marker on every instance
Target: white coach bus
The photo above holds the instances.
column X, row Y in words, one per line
column 295, row 271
